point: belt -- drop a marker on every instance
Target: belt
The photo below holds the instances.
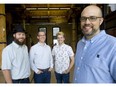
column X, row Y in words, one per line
column 44, row 69
column 20, row 79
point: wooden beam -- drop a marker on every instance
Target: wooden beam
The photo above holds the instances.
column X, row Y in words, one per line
column 2, row 29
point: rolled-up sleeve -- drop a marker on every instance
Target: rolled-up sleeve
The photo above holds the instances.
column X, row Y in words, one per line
column 31, row 55
column 51, row 59
column 6, row 59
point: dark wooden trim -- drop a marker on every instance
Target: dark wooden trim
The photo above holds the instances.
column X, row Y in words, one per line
column 2, row 14
column 3, row 43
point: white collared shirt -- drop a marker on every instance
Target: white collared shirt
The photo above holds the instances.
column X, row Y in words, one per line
column 16, row 59
column 40, row 57
column 62, row 54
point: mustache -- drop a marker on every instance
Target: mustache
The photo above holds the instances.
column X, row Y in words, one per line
column 21, row 38
column 87, row 25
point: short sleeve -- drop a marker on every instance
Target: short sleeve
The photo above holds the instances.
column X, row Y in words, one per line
column 70, row 52
column 6, row 59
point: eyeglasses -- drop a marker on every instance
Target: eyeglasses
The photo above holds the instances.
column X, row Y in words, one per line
column 41, row 35
column 91, row 18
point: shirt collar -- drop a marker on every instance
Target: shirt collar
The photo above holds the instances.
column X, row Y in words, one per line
column 15, row 44
column 95, row 37
column 61, row 45
column 41, row 44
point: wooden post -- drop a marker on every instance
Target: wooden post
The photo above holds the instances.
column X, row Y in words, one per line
column 2, row 29
column 74, row 32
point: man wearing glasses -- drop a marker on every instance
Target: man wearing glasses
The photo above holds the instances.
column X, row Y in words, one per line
column 95, row 59
column 41, row 59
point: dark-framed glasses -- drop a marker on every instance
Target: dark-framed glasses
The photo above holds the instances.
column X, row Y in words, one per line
column 41, row 35
column 91, row 18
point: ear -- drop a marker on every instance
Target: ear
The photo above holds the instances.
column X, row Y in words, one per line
column 14, row 35
column 64, row 38
column 37, row 37
column 101, row 20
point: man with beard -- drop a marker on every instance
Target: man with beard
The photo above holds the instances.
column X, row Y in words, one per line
column 15, row 59
column 95, row 59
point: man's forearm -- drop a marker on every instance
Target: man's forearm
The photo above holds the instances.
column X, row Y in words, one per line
column 7, row 76
column 71, row 63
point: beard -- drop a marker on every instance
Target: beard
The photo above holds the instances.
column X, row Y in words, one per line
column 87, row 32
column 19, row 42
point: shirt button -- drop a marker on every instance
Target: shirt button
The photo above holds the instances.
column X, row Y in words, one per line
column 85, row 47
column 78, row 68
column 81, row 57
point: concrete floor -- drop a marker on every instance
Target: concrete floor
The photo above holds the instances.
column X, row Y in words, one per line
column 53, row 80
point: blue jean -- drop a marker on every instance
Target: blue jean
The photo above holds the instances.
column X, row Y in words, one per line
column 25, row 80
column 44, row 77
column 62, row 77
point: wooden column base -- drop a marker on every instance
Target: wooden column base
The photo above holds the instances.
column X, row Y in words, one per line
column 2, row 46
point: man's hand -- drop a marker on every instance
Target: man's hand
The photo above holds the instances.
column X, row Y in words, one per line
column 66, row 71
column 39, row 72
column 50, row 69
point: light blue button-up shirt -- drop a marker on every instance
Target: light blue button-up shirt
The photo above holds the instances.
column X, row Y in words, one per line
column 40, row 57
column 95, row 60
column 16, row 59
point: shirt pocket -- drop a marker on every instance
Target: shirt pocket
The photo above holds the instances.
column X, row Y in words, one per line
column 97, row 62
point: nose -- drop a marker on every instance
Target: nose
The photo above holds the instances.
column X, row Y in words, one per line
column 87, row 21
column 23, row 36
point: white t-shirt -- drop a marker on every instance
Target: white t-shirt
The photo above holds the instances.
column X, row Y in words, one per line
column 61, row 55
column 16, row 59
